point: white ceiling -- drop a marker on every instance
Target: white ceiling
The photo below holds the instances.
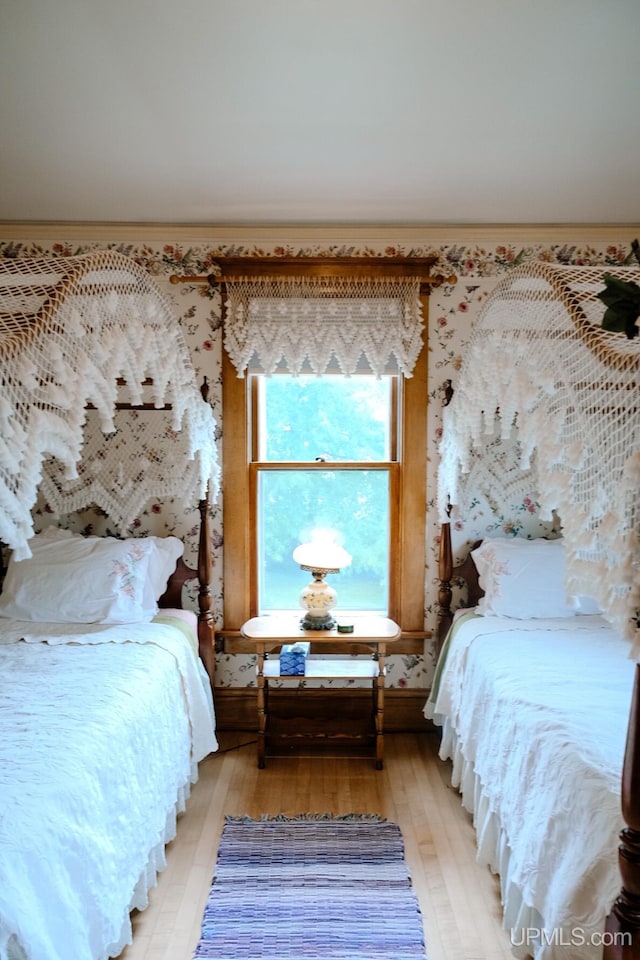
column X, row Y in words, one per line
column 320, row 111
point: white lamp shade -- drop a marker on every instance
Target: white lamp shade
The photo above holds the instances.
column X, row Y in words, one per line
column 322, row 553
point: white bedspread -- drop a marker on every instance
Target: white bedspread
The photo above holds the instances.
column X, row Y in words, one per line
column 535, row 716
column 99, row 744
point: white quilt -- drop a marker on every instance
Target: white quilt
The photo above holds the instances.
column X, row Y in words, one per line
column 99, row 744
column 534, row 715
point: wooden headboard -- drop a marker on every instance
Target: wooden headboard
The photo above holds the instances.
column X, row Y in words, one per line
column 448, row 575
column 172, row 597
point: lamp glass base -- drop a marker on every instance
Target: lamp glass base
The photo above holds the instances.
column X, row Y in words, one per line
column 318, row 623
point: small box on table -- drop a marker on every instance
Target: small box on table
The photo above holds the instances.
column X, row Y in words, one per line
column 292, row 658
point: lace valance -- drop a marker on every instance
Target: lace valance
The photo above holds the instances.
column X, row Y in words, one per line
column 72, row 332
column 315, row 324
column 563, row 395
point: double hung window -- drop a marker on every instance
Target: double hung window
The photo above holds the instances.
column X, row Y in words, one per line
column 324, row 465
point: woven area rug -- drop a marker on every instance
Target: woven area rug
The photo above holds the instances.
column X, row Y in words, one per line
column 335, row 888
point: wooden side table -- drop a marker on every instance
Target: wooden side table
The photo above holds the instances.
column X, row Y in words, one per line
column 269, row 633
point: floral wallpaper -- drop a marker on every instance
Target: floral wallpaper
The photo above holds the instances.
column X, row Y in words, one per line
column 452, row 310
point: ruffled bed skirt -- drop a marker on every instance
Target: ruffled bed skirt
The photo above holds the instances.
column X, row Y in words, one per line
column 155, row 865
column 525, row 925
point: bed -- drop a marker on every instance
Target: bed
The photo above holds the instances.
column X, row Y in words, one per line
column 533, row 713
column 536, row 685
column 106, row 661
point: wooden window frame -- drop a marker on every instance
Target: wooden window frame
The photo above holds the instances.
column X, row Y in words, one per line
column 408, row 555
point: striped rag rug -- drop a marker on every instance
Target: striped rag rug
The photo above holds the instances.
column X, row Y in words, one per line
column 313, row 886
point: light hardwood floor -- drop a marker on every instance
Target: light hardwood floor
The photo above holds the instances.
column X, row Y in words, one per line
column 459, row 899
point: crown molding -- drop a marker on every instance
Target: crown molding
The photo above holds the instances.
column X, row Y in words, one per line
column 319, row 234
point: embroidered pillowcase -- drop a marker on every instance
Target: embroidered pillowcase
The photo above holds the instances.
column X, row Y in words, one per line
column 524, row 579
column 74, row 579
column 164, row 553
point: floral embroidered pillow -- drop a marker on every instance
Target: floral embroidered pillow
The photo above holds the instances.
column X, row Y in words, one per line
column 523, row 579
column 72, row 579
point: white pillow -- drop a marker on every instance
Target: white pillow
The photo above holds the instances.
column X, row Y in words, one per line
column 164, row 553
column 74, row 579
column 523, row 579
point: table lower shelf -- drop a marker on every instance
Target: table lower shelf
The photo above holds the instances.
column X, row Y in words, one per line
column 327, row 668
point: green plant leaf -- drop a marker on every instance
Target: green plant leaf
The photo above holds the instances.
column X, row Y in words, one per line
column 622, row 299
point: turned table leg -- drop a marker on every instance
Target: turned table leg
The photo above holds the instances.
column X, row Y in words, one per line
column 379, row 707
column 263, row 693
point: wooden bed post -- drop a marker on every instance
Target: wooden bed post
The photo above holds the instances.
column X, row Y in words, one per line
column 206, row 632
column 445, row 573
column 623, row 923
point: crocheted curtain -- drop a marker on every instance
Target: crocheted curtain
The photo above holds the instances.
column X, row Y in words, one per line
column 71, row 331
column 322, row 324
column 563, row 394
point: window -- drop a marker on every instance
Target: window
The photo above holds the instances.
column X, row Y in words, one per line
column 324, row 460
column 407, row 503
column 282, row 473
